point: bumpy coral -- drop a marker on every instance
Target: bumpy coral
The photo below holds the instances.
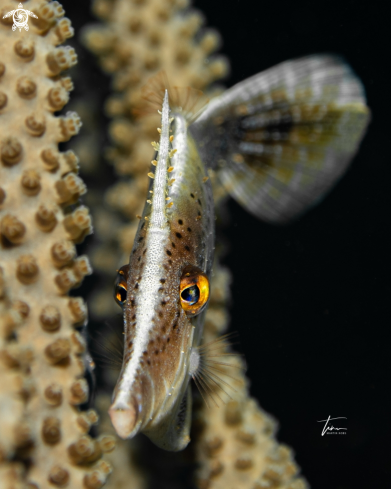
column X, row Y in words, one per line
column 237, row 446
column 43, row 354
column 15, row 383
column 238, row 449
column 139, row 38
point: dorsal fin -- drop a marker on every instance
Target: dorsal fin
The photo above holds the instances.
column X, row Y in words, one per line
column 186, row 100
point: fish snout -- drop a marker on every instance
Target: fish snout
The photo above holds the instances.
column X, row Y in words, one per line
column 125, row 418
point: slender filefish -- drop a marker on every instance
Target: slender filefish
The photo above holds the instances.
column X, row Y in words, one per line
column 278, row 142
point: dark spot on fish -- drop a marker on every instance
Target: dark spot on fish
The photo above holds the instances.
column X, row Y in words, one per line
column 170, row 262
column 178, row 235
column 136, row 286
column 173, row 245
column 160, row 314
column 156, row 352
column 161, row 289
column 168, row 340
column 130, row 344
column 163, row 303
column 162, row 280
column 180, row 222
column 140, row 239
column 132, row 302
column 198, row 200
column 199, row 213
column 192, row 195
column 168, row 252
column 166, row 267
column 145, row 352
column 187, row 248
column 189, row 229
column 139, row 258
column 142, row 225
column 175, row 325
column 133, row 317
column 149, row 362
column 145, row 250
column 178, row 314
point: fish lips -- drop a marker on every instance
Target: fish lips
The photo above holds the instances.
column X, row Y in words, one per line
column 126, row 418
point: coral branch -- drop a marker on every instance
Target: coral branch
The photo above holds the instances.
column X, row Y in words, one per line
column 42, row 353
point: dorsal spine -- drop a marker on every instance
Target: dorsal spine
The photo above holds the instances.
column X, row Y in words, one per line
column 158, row 217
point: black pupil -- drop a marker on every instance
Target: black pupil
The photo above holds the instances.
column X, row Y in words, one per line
column 121, row 292
column 191, row 294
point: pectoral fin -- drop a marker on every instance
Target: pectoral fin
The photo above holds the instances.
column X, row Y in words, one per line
column 281, row 139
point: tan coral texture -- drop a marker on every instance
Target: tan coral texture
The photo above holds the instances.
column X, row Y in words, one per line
column 13, row 382
column 42, row 351
column 236, row 446
column 137, row 39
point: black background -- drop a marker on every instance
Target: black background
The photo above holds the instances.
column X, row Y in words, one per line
column 310, row 301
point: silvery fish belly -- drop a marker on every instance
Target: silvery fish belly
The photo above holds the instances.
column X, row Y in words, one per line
column 278, row 141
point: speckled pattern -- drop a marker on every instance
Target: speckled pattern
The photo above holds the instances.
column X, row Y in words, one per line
column 155, row 379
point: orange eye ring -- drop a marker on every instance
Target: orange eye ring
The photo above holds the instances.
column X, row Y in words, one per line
column 120, row 287
column 194, row 290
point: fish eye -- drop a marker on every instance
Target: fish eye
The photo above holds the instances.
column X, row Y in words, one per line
column 120, row 287
column 120, row 294
column 194, row 290
column 191, row 295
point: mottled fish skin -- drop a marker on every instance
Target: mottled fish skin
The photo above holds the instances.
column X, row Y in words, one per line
column 152, row 390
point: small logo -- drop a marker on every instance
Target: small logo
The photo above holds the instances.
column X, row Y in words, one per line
column 331, row 430
column 20, row 17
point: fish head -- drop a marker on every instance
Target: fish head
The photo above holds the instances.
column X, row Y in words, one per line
column 164, row 292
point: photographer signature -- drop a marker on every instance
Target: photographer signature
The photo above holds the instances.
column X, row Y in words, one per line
column 327, row 428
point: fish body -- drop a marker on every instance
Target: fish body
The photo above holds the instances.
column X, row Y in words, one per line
column 278, row 141
column 176, row 232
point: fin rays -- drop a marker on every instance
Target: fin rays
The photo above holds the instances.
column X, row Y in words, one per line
column 189, row 101
column 212, row 371
column 282, row 138
column 108, row 350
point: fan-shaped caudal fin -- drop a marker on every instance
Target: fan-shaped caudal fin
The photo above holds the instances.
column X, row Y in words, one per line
column 186, row 100
column 282, row 138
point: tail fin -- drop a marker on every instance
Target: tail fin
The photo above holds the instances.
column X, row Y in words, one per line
column 282, row 138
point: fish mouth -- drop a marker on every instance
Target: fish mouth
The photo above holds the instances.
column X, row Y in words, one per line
column 125, row 419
